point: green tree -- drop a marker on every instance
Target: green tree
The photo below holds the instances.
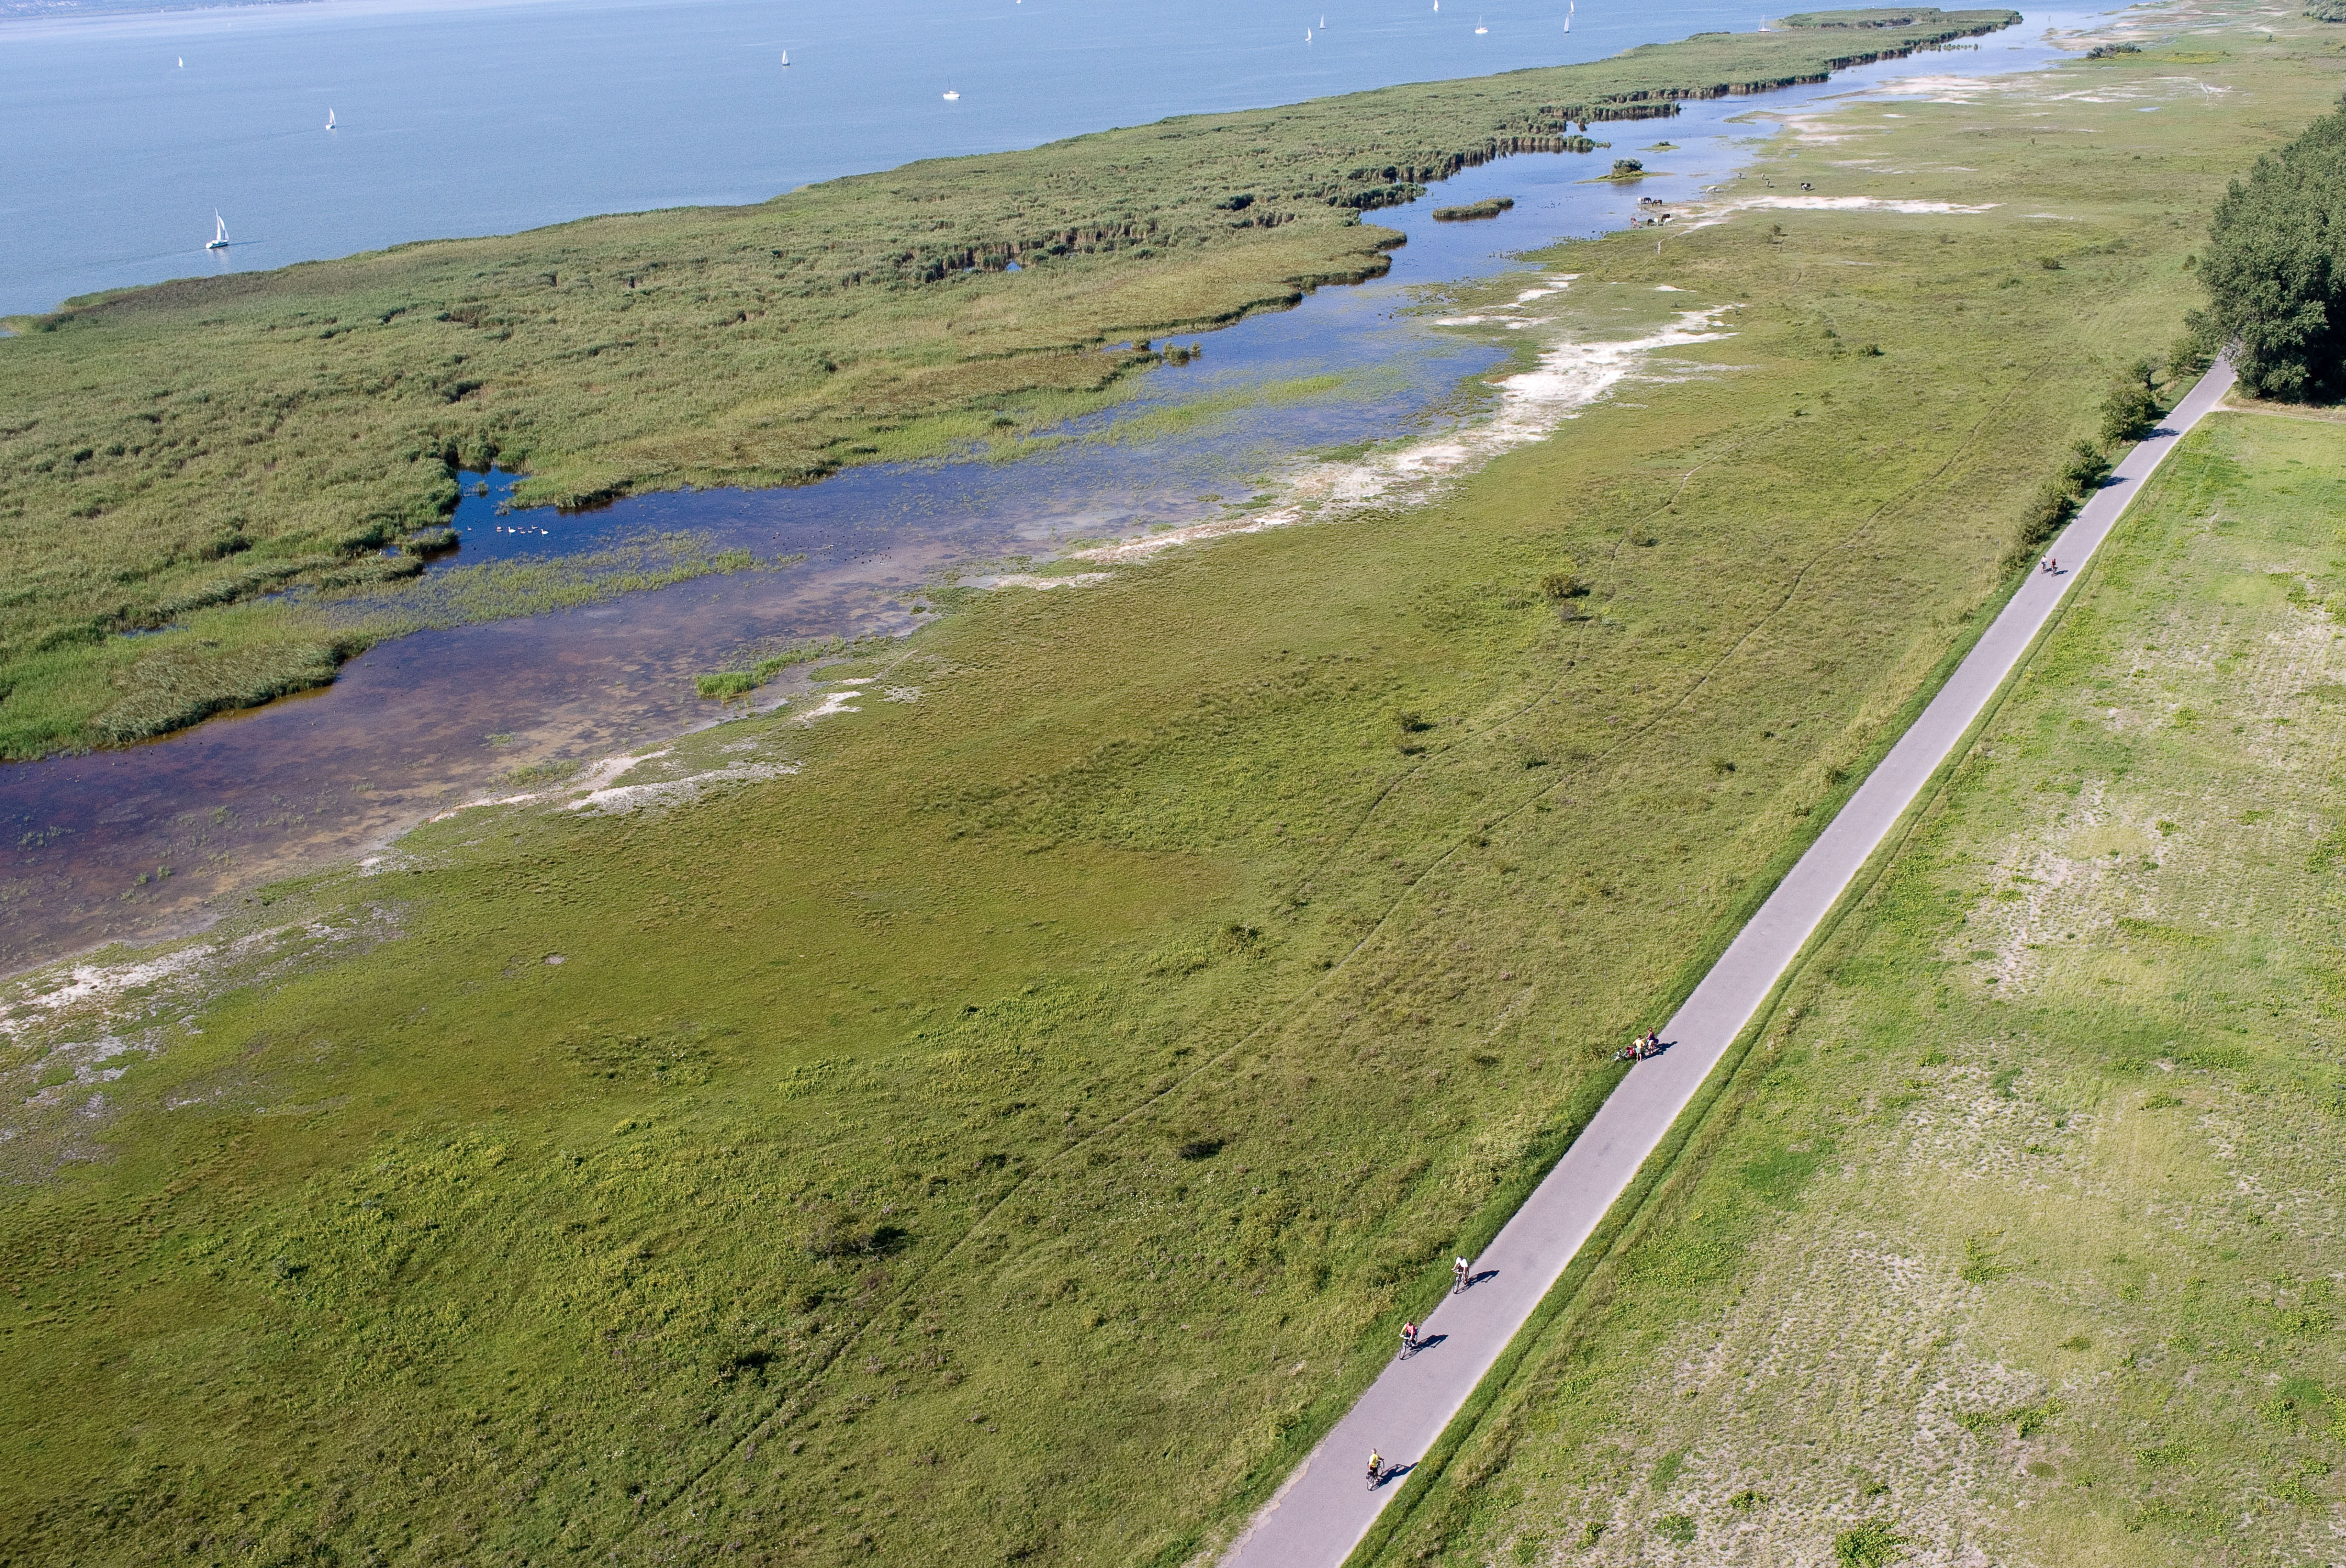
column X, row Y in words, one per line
column 2276, row 267
column 2131, row 411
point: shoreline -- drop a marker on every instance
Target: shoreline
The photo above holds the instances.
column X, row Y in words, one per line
column 1100, row 971
column 1407, row 475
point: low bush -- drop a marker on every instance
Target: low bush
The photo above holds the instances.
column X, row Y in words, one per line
column 2087, row 467
column 2131, row 411
column 1872, row 1545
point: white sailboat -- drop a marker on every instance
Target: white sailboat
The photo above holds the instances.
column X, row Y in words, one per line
column 183, row 61
column 1307, row 34
column 219, row 232
column 1479, row 28
column 1567, row 14
column 785, row 56
column 952, row 96
column 329, row 119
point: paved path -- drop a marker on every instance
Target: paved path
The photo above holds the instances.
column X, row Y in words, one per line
column 1325, row 1507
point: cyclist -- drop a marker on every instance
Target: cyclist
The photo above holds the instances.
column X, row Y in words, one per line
column 1409, row 1339
column 1376, row 1469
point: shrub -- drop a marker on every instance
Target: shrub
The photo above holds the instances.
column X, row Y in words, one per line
column 2047, row 510
column 1627, row 169
column 2087, row 469
column 1872, row 1545
column 2197, row 344
column 2326, row 10
column 1562, row 585
column 835, row 1230
column 2130, row 413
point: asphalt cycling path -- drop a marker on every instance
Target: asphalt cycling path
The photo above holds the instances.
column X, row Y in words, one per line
column 1322, row 1510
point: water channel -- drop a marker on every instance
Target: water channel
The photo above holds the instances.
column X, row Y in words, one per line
column 146, row 842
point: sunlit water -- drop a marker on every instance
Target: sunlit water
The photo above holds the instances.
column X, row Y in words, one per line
column 458, row 118
column 430, row 720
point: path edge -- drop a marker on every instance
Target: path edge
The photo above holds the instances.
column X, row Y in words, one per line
column 1212, row 1541
column 1623, row 1220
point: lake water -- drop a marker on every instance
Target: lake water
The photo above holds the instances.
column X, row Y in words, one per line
column 467, row 119
column 430, row 720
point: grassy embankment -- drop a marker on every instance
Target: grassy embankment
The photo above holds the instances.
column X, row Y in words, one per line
column 1015, row 1132
column 2012, row 1239
column 2016, row 1235
column 170, row 452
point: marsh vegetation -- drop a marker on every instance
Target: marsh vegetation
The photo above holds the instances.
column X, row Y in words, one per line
column 862, row 321
column 938, row 1123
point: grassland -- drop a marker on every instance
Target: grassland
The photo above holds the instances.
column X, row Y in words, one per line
column 167, row 451
column 1003, row 1120
column 2013, row 1238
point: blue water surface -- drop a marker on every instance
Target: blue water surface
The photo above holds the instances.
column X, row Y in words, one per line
column 457, row 117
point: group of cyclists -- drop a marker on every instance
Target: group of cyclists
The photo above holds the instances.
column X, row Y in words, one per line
column 1462, row 1271
column 1462, row 1275
column 1640, row 1046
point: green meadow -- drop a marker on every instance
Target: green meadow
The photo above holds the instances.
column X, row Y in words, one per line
column 2012, row 1235
column 1003, row 1119
column 866, row 319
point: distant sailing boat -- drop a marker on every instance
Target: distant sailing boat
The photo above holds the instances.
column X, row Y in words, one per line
column 952, row 96
column 1567, row 14
column 183, row 61
column 219, row 232
column 785, row 56
column 329, row 119
column 1479, row 28
column 1307, row 34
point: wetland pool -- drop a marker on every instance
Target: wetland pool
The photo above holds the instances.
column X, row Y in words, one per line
column 144, row 842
